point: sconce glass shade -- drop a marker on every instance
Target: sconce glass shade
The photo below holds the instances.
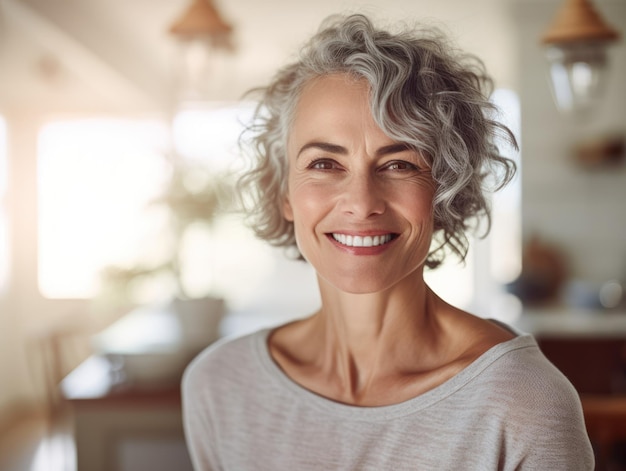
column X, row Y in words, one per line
column 197, row 70
column 204, row 41
column 577, row 73
column 576, row 47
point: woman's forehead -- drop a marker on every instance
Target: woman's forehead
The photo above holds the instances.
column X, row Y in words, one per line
column 334, row 107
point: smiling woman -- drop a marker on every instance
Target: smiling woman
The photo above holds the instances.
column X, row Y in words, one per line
column 370, row 156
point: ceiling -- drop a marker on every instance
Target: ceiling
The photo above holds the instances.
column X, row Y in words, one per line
column 116, row 55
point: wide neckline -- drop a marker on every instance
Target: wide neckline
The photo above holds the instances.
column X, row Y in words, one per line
column 311, row 399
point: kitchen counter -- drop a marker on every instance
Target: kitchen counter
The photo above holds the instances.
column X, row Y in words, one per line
column 565, row 322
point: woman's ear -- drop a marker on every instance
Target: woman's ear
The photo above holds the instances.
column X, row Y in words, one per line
column 287, row 210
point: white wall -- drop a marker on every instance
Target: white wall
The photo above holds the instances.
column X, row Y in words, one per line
column 582, row 211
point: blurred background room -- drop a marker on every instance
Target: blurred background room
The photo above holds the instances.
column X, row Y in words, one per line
column 122, row 253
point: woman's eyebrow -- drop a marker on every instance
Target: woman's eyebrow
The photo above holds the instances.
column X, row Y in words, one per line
column 325, row 146
column 393, row 149
column 337, row 149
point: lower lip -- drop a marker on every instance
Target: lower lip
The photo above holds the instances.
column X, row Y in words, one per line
column 374, row 250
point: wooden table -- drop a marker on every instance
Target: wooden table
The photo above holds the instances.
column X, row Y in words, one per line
column 123, row 427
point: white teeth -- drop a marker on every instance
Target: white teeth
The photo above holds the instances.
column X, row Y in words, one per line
column 362, row 241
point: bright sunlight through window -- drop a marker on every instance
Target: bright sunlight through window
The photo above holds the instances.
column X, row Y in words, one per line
column 4, row 236
column 506, row 231
column 96, row 179
column 211, row 136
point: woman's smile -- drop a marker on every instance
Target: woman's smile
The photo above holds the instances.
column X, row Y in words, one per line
column 363, row 240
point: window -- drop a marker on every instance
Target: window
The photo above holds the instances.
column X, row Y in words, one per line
column 97, row 181
column 4, row 180
column 502, row 250
column 96, row 178
column 506, row 231
column 210, row 135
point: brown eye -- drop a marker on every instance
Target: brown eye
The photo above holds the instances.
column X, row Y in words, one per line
column 400, row 165
column 323, row 164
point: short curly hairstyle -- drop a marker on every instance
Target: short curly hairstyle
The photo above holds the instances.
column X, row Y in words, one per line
column 423, row 92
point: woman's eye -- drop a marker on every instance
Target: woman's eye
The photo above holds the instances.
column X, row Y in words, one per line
column 400, row 165
column 323, row 165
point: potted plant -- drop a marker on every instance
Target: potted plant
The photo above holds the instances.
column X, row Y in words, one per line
column 194, row 196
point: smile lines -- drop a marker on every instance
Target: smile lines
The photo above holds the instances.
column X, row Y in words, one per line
column 362, row 241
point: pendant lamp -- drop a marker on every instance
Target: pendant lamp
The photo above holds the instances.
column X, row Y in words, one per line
column 576, row 46
column 204, row 39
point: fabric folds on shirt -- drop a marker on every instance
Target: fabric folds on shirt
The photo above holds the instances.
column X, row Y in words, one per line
column 510, row 409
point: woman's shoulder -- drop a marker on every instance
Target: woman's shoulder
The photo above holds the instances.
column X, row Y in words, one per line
column 520, row 371
column 223, row 358
column 539, row 408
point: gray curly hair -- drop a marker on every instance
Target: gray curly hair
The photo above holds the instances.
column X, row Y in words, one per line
column 424, row 93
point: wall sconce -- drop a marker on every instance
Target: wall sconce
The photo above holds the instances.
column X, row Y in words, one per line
column 204, row 38
column 576, row 47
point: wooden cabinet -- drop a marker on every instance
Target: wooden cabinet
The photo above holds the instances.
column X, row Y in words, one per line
column 593, row 365
column 590, row 349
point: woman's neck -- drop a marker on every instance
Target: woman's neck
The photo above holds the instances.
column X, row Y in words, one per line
column 364, row 339
column 368, row 319
column 383, row 348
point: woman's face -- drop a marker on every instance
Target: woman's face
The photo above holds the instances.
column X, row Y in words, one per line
column 361, row 203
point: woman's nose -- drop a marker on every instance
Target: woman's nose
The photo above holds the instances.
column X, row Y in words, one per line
column 362, row 196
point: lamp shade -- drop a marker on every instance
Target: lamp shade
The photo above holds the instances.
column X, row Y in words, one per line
column 576, row 46
column 577, row 20
column 204, row 39
column 200, row 19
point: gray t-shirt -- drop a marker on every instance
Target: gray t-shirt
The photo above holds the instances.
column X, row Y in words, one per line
column 510, row 409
